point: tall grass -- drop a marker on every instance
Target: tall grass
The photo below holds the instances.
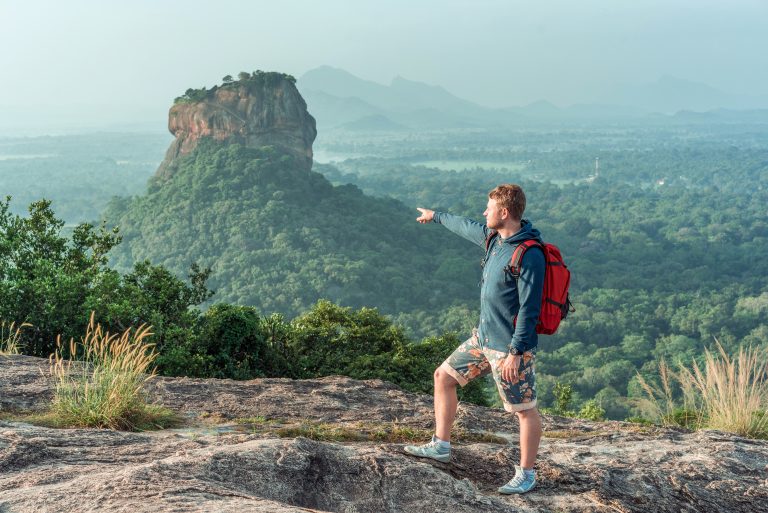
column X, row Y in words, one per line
column 106, row 388
column 725, row 393
column 10, row 336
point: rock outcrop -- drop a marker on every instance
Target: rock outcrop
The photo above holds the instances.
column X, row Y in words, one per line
column 218, row 463
column 265, row 109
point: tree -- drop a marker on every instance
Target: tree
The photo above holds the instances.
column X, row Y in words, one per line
column 54, row 282
column 44, row 277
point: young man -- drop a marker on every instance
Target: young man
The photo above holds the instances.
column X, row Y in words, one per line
column 498, row 345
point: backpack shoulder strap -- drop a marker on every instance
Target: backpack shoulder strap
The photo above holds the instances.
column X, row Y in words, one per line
column 516, row 261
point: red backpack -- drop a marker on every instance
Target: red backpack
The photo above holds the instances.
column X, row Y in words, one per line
column 555, row 300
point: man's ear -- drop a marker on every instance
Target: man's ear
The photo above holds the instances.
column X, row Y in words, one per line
column 504, row 213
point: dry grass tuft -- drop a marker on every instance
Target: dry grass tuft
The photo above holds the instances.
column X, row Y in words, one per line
column 725, row 393
column 106, row 388
column 10, row 336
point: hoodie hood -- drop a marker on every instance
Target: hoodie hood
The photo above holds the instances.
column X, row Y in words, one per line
column 527, row 232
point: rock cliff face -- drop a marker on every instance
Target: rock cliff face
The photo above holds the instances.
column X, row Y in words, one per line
column 219, row 463
column 265, row 110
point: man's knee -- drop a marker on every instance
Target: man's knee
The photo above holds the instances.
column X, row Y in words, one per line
column 442, row 378
column 530, row 413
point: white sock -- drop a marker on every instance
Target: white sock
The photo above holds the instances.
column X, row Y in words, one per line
column 443, row 444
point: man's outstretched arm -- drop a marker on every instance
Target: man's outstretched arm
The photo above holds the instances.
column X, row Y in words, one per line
column 467, row 228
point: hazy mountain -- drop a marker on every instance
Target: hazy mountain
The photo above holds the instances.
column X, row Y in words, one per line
column 342, row 84
column 401, row 95
column 339, row 99
column 546, row 112
column 335, row 97
column 670, row 94
column 541, row 108
column 374, row 122
column 724, row 116
column 435, row 97
column 331, row 110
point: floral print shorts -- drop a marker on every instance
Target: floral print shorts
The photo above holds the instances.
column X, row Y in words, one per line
column 470, row 360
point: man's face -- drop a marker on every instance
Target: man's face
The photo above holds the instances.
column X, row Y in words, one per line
column 493, row 215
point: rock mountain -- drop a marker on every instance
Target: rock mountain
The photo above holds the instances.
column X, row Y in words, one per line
column 236, row 193
column 237, row 453
column 264, row 109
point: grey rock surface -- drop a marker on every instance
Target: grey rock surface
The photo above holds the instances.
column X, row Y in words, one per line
column 214, row 464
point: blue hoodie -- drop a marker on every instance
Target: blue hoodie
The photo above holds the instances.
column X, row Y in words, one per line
column 501, row 296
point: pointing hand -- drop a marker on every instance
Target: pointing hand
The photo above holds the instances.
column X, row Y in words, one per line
column 426, row 215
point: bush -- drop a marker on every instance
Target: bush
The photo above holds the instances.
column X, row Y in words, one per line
column 563, row 395
column 234, row 342
column 363, row 344
column 563, row 392
column 178, row 356
column 592, row 411
column 229, row 339
column 330, row 339
column 45, row 277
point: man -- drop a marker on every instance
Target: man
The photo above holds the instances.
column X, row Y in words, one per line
column 498, row 345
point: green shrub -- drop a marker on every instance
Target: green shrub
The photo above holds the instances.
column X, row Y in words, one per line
column 364, row 344
column 639, row 420
column 592, row 411
column 330, row 339
column 563, row 392
column 235, row 342
column 684, row 417
column 563, row 396
column 179, row 356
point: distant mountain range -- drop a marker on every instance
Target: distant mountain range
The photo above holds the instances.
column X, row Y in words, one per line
column 338, row 99
column 670, row 94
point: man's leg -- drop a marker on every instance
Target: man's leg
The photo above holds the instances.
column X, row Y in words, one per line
column 446, row 403
column 466, row 363
column 519, row 396
column 530, row 436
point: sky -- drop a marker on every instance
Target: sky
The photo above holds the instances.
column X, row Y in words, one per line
column 98, row 61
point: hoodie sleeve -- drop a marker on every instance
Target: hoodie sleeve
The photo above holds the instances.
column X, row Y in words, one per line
column 467, row 228
column 530, row 288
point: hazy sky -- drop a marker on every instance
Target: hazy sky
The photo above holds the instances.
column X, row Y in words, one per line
column 127, row 60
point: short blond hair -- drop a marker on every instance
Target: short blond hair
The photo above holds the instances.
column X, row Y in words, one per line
column 511, row 197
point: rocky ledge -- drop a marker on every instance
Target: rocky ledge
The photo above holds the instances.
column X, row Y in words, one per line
column 219, row 462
